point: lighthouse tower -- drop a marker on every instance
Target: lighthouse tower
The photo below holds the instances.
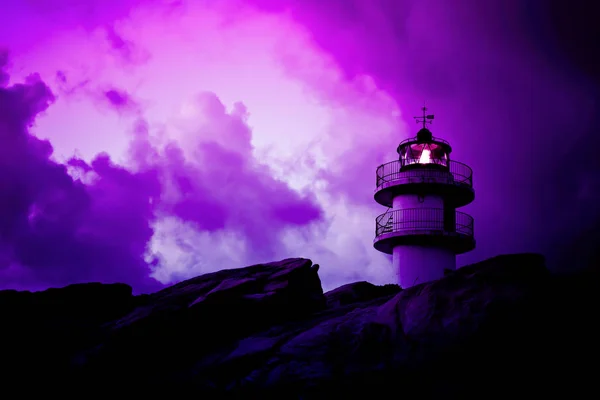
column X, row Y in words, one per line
column 422, row 189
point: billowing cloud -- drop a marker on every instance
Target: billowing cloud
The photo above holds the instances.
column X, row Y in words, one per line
column 55, row 229
column 94, row 221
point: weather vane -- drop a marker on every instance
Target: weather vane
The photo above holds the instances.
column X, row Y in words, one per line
column 425, row 118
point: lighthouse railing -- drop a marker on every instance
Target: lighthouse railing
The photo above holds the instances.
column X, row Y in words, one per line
column 457, row 173
column 424, row 219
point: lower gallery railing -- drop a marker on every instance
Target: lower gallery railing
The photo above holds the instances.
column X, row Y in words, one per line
column 431, row 219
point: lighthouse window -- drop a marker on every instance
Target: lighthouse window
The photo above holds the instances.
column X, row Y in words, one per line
column 424, row 153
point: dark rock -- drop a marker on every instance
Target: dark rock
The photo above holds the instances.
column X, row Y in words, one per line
column 42, row 330
column 201, row 317
column 495, row 328
column 358, row 292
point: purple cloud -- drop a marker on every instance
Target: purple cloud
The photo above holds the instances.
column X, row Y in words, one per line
column 221, row 186
column 120, row 100
column 61, row 224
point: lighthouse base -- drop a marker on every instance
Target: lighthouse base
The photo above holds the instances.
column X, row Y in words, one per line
column 419, row 264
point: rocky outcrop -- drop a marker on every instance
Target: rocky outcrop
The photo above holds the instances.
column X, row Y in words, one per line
column 492, row 328
column 358, row 292
column 41, row 330
column 189, row 326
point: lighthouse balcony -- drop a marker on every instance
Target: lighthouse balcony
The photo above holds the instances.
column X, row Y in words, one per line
column 424, row 227
column 453, row 180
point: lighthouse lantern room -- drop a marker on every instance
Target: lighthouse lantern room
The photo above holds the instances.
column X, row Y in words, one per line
column 422, row 189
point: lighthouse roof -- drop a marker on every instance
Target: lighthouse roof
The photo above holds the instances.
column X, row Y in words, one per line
column 424, row 135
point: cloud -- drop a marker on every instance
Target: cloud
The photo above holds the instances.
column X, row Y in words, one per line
column 213, row 183
column 4, row 77
column 126, row 49
column 55, row 230
column 94, row 221
column 120, row 100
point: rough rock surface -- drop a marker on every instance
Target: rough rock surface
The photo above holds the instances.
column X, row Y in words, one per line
column 504, row 326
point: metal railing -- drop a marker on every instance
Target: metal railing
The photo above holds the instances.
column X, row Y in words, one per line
column 428, row 219
column 460, row 173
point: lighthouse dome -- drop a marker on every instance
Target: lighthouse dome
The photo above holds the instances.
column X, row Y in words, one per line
column 424, row 135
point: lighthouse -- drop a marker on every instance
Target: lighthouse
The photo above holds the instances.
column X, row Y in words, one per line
column 422, row 189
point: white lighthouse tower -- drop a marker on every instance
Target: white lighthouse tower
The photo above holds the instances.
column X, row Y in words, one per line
column 422, row 189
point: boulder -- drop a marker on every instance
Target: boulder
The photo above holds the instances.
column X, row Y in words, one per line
column 188, row 325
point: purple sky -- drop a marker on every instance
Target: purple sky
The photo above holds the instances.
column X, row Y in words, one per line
column 151, row 141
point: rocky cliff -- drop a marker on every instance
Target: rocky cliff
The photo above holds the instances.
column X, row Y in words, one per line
column 502, row 327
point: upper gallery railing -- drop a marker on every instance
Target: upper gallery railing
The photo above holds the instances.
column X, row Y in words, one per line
column 459, row 173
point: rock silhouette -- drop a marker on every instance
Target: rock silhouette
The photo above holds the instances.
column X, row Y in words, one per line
column 501, row 327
